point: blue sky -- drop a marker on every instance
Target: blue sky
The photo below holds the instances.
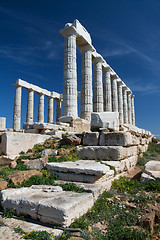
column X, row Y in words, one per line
column 125, row 32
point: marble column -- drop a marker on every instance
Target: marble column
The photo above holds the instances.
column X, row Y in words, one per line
column 30, row 104
column 107, row 93
column 50, row 110
column 132, row 110
column 129, row 106
column 58, row 110
column 17, row 108
column 114, row 93
column 125, row 105
column 41, row 109
column 120, row 101
column 86, row 82
column 97, row 85
column 70, row 72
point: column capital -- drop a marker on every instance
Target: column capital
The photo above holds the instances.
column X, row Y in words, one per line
column 97, row 58
column 129, row 92
column 132, row 96
column 69, row 30
column 120, row 82
column 114, row 76
column 125, row 88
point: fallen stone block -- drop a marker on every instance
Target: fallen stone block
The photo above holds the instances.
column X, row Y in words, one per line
column 73, row 140
column 152, row 166
column 91, row 139
column 55, row 207
column 47, row 152
column 7, row 159
column 18, row 177
column 80, row 171
column 12, row 143
column 36, row 163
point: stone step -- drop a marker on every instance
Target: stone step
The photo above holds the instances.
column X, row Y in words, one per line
column 47, row 203
column 114, row 153
column 87, row 171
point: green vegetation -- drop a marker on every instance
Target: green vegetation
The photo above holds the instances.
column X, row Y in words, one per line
column 41, row 235
column 151, row 154
column 18, row 230
column 8, row 213
column 71, row 187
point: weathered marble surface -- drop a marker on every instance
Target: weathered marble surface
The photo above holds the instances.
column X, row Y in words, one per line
column 47, row 203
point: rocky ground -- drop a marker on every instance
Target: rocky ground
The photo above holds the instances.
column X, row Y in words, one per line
column 130, row 203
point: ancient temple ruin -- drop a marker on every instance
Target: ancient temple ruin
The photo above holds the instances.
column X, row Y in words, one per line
column 106, row 94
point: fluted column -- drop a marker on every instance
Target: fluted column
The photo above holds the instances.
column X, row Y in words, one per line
column 97, row 85
column 70, row 72
column 17, row 108
column 125, row 105
column 50, row 110
column 58, row 110
column 107, row 93
column 120, row 101
column 30, row 104
column 41, row 109
column 132, row 110
column 86, row 82
column 114, row 93
column 129, row 107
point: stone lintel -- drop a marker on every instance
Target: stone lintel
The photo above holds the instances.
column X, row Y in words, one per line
column 29, row 86
column 86, row 47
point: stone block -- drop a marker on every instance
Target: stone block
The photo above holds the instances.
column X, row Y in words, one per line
column 12, row 143
column 152, row 166
column 106, row 152
column 2, row 123
column 123, row 165
column 104, row 120
column 47, row 205
column 91, row 139
column 36, row 163
column 115, row 139
column 79, row 171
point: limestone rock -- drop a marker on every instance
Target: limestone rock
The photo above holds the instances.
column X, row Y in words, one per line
column 73, row 140
column 36, row 163
column 3, row 184
column 148, row 220
column 18, row 177
column 91, row 139
column 7, row 159
column 13, row 164
column 47, row 152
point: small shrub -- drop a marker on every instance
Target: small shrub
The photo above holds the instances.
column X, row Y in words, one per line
column 41, row 235
column 39, row 180
column 8, row 213
column 71, row 187
column 18, row 230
